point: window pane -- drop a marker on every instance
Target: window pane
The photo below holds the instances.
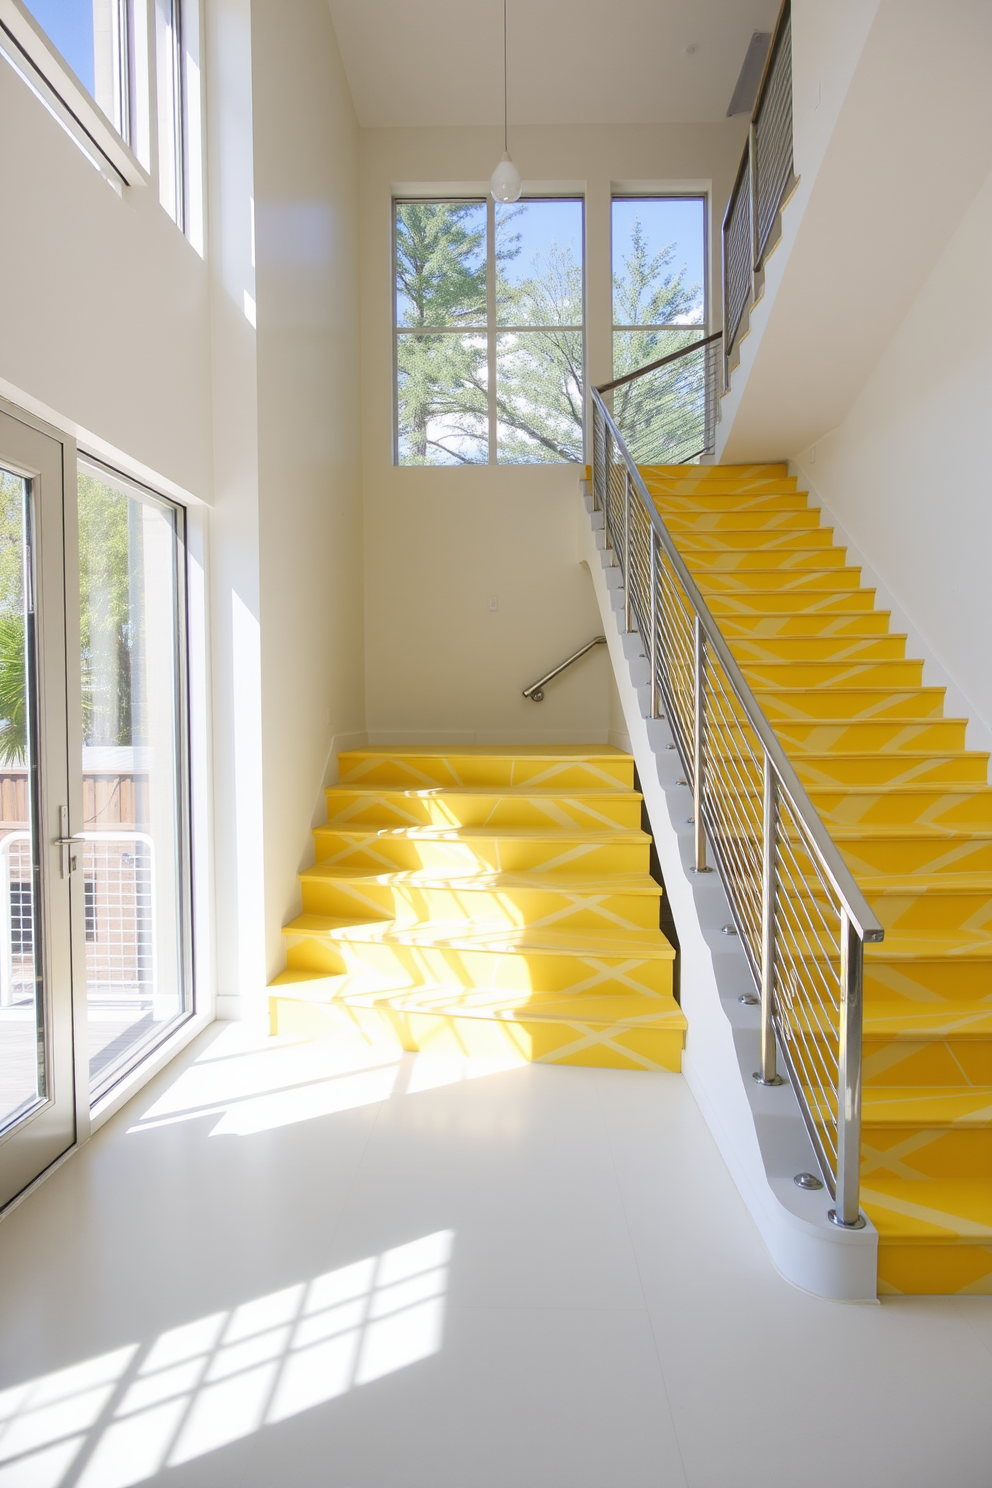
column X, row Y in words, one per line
column 133, row 858
column 539, row 397
column 22, row 1044
column 662, row 416
column 539, row 263
column 91, row 35
column 658, row 261
column 168, row 55
column 443, row 411
column 441, row 263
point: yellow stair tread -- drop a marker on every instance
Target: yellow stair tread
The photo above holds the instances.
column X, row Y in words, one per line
column 433, row 878
column 934, row 1211
column 913, row 1022
column 455, row 935
column 631, row 1010
column 927, row 1105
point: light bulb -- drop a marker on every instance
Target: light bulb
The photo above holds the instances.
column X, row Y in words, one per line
column 506, row 184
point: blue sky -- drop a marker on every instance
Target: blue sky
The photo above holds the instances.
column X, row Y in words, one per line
column 540, row 224
column 665, row 220
column 69, row 24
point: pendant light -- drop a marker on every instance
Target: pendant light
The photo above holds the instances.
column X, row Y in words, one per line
column 505, row 184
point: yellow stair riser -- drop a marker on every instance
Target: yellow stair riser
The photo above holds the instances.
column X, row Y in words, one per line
column 837, row 703
column 925, row 1151
column 419, row 771
column 670, row 488
column 763, row 581
column 848, row 808
column 847, row 624
column 753, row 540
column 892, row 768
column 788, row 675
column 369, row 853
column 738, row 471
column 934, row 1270
column 534, row 1041
column 562, row 911
column 509, row 971
column 901, row 1062
column 770, row 522
column 777, row 560
column 723, row 503
column 902, row 854
column 926, row 978
column 928, row 911
column 859, row 735
column 933, row 913
column 384, row 808
column 800, row 650
column 799, row 607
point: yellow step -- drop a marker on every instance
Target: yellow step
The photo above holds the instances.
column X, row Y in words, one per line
column 569, row 767
column 478, row 806
column 506, row 850
column 593, row 902
column 624, row 1031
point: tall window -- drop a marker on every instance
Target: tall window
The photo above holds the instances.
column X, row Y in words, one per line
column 659, row 277
column 93, row 37
column 488, row 332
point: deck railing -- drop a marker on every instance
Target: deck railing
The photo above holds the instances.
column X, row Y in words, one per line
column 802, row 920
column 765, row 178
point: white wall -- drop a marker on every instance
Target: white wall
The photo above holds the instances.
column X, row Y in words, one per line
column 440, row 542
column 104, row 326
column 907, row 472
column 309, row 419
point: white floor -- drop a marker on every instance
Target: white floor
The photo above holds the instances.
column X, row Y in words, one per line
column 283, row 1266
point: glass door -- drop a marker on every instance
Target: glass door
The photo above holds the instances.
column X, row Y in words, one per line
column 131, row 886
column 37, row 1085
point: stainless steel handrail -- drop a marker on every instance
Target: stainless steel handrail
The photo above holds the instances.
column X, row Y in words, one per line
column 673, row 356
column 781, row 852
column 536, row 690
column 767, row 175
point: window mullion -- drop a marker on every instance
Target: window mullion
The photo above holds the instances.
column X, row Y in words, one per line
column 491, row 323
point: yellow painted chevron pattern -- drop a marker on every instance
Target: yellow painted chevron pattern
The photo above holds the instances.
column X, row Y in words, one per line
column 484, row 901
column 911, row 810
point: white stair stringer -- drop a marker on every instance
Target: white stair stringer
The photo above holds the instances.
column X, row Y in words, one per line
column 760, row 1131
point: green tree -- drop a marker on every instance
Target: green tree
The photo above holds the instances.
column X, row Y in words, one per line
column 660, row 415
column 111, row 612
column 13, row 661
column 441, row 281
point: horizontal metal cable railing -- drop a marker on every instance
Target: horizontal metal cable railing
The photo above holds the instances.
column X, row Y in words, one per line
column 764, row 179
column 801, row 918
column 667, row 410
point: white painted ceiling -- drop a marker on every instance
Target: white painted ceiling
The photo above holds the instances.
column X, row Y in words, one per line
column 437, row 62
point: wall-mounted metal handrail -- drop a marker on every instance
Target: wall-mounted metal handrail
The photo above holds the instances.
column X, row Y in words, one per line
column 673, row 356
column 801, row 917
column 536, row 690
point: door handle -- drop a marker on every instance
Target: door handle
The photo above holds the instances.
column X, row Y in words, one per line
column 65, row 841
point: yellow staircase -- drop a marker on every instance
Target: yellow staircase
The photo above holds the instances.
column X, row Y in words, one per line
column 484, row 901
column 911, row 810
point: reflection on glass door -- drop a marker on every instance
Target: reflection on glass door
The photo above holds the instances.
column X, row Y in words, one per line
column 132, row 846
column 23, row 1065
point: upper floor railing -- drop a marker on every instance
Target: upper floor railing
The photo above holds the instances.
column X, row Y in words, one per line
column 802, row 920
column 667, row 410
column 765, row 178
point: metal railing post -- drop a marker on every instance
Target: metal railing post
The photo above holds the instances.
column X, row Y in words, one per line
column 698, row 744
column 627, row 607
column 847, row 1197
column 752, row 187
column 653, row 647
column 767, row 1074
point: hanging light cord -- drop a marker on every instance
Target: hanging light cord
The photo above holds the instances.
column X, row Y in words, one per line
column 506, row 146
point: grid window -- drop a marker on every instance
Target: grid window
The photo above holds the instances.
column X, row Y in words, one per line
column 489, row 332
column 659, row 279
column 21, row 919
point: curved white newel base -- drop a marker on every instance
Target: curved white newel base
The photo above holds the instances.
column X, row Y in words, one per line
column 759, row 1131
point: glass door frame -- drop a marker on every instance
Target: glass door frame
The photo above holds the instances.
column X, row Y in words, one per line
column 52, row 1127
